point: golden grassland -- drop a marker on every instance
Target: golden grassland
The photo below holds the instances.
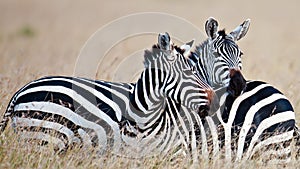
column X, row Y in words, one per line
column 15, row 153
column 44, row 38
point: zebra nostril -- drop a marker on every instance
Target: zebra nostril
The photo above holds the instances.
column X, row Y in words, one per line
column 237, row 82
column 233, row 71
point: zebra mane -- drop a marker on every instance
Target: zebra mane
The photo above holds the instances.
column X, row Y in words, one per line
column 179, row 50
column 151, row 55
column 222, row 33
column 194, row 57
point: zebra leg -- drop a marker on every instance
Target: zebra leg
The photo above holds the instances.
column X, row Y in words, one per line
column 297, row 140
column 273, row 147
column 46, row 131
column 7, row 116
column 4, row 121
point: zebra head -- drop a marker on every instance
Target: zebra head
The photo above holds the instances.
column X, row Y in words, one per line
column 224, row 50
column 170, row 75
column 216, row 56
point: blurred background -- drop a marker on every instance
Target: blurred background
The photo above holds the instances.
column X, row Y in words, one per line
column 39, row 38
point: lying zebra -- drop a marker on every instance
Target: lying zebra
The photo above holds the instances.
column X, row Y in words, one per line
column 189, row 125
column 160, row 111
column 252, row 115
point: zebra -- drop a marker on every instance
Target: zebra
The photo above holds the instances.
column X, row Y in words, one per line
column 258, row 121
column 113, row 116
column 251, row 114
column 219, row 53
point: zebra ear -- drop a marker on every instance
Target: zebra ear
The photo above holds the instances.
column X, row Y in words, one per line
column 190, row 44
column 211, row 27
column 186, row 48
column 241, row 30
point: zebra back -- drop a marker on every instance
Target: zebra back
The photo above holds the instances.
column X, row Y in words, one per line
column 258, row 121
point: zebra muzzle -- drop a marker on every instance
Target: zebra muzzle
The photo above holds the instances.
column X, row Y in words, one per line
column 212, row 105
column 237, row 83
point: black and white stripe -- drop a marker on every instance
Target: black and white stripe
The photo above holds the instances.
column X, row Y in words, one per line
column 260, row 120
column 214, row 58
column 158, row 111
column 251, row 115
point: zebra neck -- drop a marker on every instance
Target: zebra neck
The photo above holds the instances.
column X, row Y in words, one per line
column 204, row 61
column 146, row 96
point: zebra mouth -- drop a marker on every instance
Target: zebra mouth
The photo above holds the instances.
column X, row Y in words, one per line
column 237, row 84
column 203, row 111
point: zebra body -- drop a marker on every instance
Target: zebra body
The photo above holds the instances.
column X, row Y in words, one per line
column 252, row 114
column 93, row 124
column 260, row 118
column 121, row 117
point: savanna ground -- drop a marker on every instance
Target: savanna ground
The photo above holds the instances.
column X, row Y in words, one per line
column 44, row 38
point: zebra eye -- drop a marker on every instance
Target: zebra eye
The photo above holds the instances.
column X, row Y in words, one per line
column 216, row 53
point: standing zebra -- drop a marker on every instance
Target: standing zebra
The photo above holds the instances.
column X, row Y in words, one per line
column 251, row 114
column 113, row 116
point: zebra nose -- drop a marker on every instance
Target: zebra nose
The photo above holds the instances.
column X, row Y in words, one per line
column 233, row 72
column 203, row 111
column 237, row 83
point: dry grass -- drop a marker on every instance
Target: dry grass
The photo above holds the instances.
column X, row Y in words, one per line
column 16, row 153
column 44, row 38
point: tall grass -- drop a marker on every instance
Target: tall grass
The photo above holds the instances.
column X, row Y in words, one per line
column 39, row 38
column 18, row 153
